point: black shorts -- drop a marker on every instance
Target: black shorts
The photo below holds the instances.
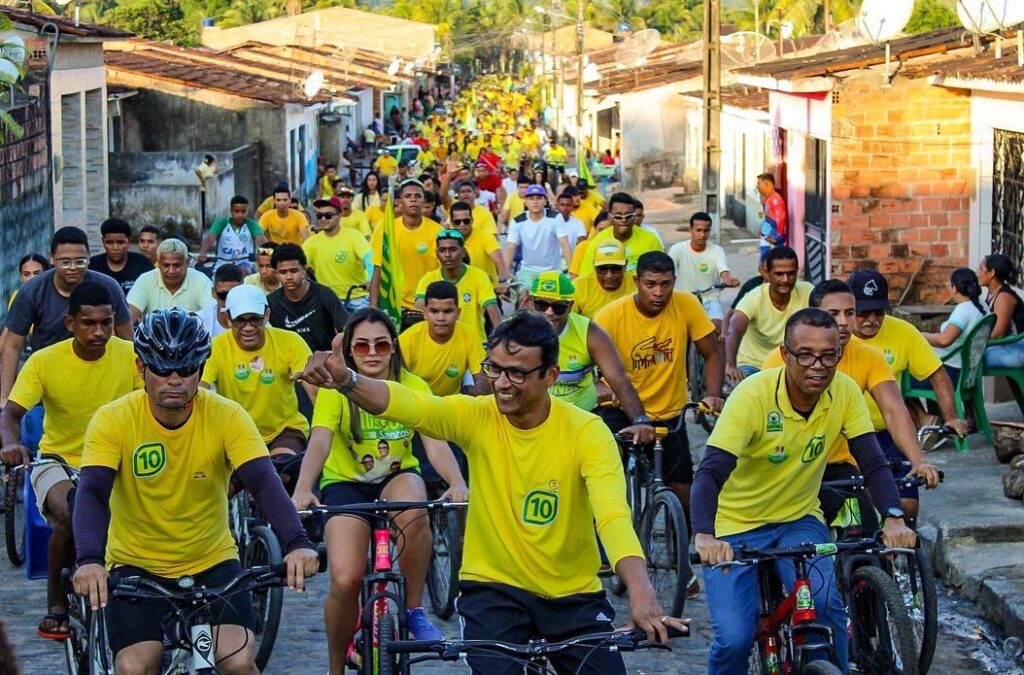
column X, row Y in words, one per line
column 500, row 612
column 344, row 493
column 677, row 462
column 130, row 622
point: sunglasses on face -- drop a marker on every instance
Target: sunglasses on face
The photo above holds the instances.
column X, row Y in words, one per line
column 241, row 322
column 461, row 221
column 325, row 215
column 623, row 217
column 188, row 371
column 381, row 348
column 559, row 308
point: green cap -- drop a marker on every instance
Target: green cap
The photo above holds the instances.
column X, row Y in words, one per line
column 449, row 233
column 552, row 285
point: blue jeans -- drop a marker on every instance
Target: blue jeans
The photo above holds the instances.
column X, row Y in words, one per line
column 1005, row 356
column 733, row 596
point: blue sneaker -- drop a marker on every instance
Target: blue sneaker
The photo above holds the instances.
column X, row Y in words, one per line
column 420, row 626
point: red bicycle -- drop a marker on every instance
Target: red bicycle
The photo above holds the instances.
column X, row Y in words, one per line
column 382, row 617
column 789, row 640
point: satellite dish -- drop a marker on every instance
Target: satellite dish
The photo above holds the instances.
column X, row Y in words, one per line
column 394, row 66
column 691, row 53
column 842, row 36
column 989, row 16
column 12, row 48
column 634, row 49
column 881, row 20
column 314, row 83
column 591, row 73
column 648, row 38
column 746, row 48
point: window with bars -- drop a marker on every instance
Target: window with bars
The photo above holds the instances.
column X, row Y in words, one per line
column 1008, row 196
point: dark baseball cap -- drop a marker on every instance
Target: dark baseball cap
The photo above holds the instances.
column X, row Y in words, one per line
column 870, row 290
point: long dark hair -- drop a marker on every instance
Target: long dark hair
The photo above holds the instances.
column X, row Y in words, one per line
column 966, row 283
column 395, row 366
column 34, row 257
column 364, row 188
column 1002, row 267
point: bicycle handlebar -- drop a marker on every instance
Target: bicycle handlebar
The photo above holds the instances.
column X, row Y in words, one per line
column 382, row 507
column 453, row 650
column 751, row 556
column 680, row 421
column 857, row 483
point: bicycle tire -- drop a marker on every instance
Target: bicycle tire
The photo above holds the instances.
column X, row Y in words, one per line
column 914, row 576
column 695, row 383
column 76, row 646
column 445, row 562
column 635, row 499
column 666, row 543
column 263, row 548
column 821, row 668
column 882, row 630
column 387, row 665
column 14, row 517
column 99, row 652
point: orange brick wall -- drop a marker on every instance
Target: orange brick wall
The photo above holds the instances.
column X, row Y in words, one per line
column 902, row 181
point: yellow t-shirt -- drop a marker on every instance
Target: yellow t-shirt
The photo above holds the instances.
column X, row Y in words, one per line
column 863, row 364
column 416, row 250
column 781, row 456
column 586, row 213
column 484, row 221
column 339, row 262
column 475, row 294
column 72, row 389
column 591, row 297
column 640, row 242
column 364, row 461
column 386, row 165
column 654, row 349
column 374, row 216
column 577, row 257
column 358, row 221
column 767, row 327
column 537, row 493
column 260, row 380
column 514, row 204
column 265, row 206
column 904, row 348
column 255, row 280
column 480, row 246
column 442, row 366
column 595, row 199
column 288, row 230
column 169, row 506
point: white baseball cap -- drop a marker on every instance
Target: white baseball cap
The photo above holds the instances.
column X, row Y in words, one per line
column 245, row 299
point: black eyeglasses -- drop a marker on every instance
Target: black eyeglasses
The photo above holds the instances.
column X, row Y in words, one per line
column 514, row 375
column 187, row 371
column 559, row 308
column 461, row 221
column 254, row 320
column 807, row 360
column 324, row 215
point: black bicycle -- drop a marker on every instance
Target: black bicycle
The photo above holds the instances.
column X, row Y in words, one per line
column 695, row 369
column 533, row 656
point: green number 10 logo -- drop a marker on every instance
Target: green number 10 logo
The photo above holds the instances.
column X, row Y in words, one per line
column 540, row 507
column 149, row 460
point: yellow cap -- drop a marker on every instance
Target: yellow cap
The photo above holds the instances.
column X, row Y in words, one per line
column 610, row 252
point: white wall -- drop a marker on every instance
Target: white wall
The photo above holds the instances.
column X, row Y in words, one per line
column 296, row 117
column 989, row 111
column 654, row 128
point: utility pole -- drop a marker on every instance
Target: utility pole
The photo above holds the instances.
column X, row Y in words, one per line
column 712, row 99
column 579, row 81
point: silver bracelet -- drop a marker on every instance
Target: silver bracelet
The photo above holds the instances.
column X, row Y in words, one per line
column 351, row 384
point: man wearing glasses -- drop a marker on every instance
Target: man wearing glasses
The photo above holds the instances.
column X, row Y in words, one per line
column 172, row 284
column 253, row 365
column 636, row 241
column 483, row 248
column 37, row 315
column 339, row 256
column 527, row 573
column 608, row 283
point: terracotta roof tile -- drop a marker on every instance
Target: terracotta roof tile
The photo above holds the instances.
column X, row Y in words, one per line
column 67, row 26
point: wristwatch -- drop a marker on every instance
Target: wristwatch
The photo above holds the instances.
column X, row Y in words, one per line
column 641, row 419
column 353, row 380
column 893, row 512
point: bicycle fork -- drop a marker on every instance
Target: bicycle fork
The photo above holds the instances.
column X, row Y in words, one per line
column 790, row 635
column 376, row 596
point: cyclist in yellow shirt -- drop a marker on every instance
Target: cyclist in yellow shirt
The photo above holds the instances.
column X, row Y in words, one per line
column 515, row 203
column 607, row 283
column 72, row 379
column 385, row 165
column 359, row 455
column 467, row 192
column 583, row 209
column 350, row 218
column 759, row 480
column 483, row 249
column 264, row 278
column 154, row 485
column 283, row 224
column 340, row 257
column 523, row 546
column 635, row 241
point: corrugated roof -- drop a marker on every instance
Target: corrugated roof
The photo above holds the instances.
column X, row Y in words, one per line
column 668, row 63
column 67, row 26
column 739, row 96
column 978, row 68
column 853, row 58
column 350, row 67
column 207, row 70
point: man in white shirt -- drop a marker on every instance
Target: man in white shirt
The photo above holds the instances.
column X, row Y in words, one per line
column 574, row 228
column 508, row 183
column 540, row 234
column 215, row 317
column 701, row 265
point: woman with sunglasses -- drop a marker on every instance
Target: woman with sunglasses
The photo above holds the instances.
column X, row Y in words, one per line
column 342, row 438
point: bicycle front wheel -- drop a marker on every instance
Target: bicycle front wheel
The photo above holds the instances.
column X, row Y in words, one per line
column 14, row 516
column 883, row 634
column 445, row 561
column 821, row 668
column 916, row 581
column 387, row 663
column 99, row 653
column 666, row 543
column 264, row 549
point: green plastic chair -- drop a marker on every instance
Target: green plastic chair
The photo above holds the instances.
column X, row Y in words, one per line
column 968, row 389
column 1014, row 376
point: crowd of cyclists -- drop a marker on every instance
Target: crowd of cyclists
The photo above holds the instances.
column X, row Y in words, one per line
column 537, row 319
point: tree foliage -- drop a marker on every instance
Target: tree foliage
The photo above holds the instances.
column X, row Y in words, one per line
column 931, row 15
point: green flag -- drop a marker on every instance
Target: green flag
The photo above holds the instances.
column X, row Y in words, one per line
column 584, row 167
column 392, row 279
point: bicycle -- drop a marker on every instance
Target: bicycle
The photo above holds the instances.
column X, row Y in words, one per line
column 788, row 639
column 658, row 518
column 188, row 632
column 532, row 655
column 15, row 516
column 382, row 617
column 695, row 368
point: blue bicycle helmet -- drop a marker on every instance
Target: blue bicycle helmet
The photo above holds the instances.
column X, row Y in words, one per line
column 172, row 339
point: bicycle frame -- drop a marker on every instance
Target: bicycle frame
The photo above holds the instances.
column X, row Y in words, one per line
column 376, row 595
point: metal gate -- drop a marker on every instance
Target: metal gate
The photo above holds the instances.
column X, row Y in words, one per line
column 815, row 211
column 1008, row 196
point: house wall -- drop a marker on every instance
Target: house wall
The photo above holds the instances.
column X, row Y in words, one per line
column 302, row 118
column 902, row 181
column 653, row 131
column 26, row 204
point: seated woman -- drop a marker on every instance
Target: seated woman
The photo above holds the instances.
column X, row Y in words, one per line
column 997, row 274
column 968, row 311
column 364, row 458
